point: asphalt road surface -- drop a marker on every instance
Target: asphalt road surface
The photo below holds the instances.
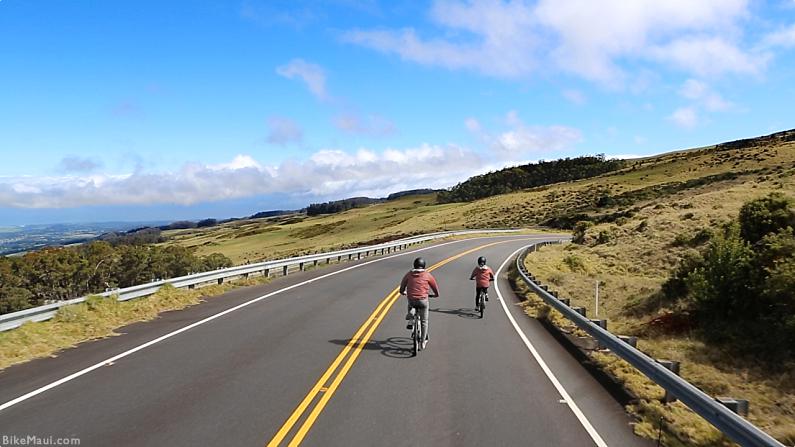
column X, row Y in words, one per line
column 325, row 362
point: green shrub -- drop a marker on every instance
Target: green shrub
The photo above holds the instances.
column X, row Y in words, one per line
column 580, row 228
column 766, row 215
column 574, row 262
column 604, row 237
column 721, row 287
column 741, row 286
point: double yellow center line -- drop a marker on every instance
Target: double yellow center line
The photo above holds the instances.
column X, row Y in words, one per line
column 327, row 385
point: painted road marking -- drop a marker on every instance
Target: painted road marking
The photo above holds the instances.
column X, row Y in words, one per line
column 550, row 375
column 87, row 370
column 356, row 345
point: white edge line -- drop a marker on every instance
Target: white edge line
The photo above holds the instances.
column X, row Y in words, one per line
column 550, row 375
column 87, row 370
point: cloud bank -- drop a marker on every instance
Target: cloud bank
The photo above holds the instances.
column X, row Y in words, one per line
column 326, row 174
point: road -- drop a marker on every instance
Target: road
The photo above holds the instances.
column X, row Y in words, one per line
column 323, row 358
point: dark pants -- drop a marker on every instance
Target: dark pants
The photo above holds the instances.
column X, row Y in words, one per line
column 477, row 292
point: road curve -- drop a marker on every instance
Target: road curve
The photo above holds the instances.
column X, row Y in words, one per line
column 325, row 362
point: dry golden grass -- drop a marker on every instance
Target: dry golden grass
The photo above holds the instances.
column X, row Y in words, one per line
column 633, row 260
column 98, row 318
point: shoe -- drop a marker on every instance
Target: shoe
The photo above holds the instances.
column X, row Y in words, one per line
column 409, row 326
column 424, row 343
column 487, row 297
column 409, row 316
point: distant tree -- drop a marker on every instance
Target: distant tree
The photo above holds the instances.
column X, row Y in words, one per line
column 216, row 261
column 13, row 296
column 180, row 225
column 207, row 223
column 339, row 206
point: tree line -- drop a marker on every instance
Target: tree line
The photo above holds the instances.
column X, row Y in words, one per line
column 529, row 176
column 62, row 273
column 338, row 206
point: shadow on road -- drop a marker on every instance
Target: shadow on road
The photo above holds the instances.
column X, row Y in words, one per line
column 461, row 312
column 395, row 347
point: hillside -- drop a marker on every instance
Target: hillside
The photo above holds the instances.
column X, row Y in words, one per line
column 656, row 213
column 735, row 169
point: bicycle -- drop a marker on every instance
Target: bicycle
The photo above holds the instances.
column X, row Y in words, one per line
column 416, row 330
column 482, row 302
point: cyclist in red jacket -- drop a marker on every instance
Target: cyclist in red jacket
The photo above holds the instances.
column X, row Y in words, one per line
column 483, row 275
column 416, row 285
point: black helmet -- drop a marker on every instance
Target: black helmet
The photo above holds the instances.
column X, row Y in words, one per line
column 419, row 263
column 482, row 261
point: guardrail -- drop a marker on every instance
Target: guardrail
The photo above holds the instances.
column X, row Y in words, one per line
column 732, row 425
column 42, row 313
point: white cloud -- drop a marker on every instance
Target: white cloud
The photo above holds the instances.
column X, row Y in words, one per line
column 701, row 93
column 685, row 117
column 592, row 47
column 574, row 96
column 239, row 162
column 473, row 125
column 76, row 164
column 588, row 38
column 326, row 174
column 370, row 125
column 502, row 45
column 521, row 140
column 284, row 131
column 311, row 74
column 782, row 38
column 351, row 122
column 709, row 56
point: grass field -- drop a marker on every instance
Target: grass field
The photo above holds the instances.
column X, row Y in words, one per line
column 632, row 256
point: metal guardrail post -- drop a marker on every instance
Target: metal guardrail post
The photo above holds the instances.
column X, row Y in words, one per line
column 732, row 425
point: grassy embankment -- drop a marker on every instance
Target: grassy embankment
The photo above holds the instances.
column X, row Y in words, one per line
column 634, row 254
column 98, row 318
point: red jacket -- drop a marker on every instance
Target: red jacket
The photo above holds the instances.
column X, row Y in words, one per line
column 482, row 276
column 416, row 284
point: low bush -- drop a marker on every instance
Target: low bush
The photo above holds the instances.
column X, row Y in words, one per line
column 741, row 285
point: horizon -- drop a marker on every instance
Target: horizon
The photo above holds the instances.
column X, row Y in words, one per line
column 184, row 111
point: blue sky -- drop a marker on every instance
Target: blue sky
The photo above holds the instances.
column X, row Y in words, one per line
column 117, row 110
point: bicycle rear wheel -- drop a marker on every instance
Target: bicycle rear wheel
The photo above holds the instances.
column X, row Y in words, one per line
column 415, row 335
column 481, row 304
